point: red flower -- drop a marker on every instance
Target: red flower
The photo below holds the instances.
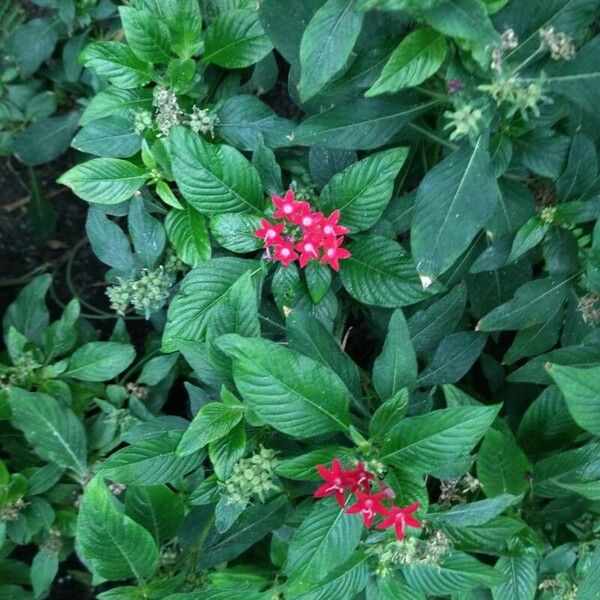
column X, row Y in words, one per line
column 307, row 219
column 360, row 478
column 308, row 249
column 269, row 232
column 332, row 252
column 368, row 505
column 284, row 252
column 399, row 518
column 336, row 482
column 286, row 206
column 329, row 225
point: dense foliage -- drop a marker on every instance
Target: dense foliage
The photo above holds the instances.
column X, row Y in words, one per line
column 374, row 292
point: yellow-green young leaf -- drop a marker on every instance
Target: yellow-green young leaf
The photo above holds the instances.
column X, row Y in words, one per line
column 213, row 421
column 105, row 180
column 150, row 461
column 445, row 218
column 214, row 178
column 99, row 361
column 235, row 39
column 418, row 56
column 326, row 45
column 396, row 366
column 363, row 190
column 114, row 545
column 52, row 429
column 187, row 231
column 323, row 541
column 581, row 389
column 430, row 441
column 502, row 466
column 290, row 392
column 147, row 35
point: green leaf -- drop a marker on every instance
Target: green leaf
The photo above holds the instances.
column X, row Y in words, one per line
column 187, row 231
column 589, row 586
column 214, row 178
column 147, row 35
column 117, row 63
column 226, row 452
column 318, row 280
column 61, row 336
column 364, row 123
column 115, row 101
column 213, row 421
column 286, row 389
column 235, row 232
column 306, row 334
column 201, row 291
column 581, row 390
column 150, row 461
column 502, row 467
column 303, row 467
column 114, row 545
column 44, row 568
column 430, row 441
column 147, row 234
column 532, row 303
column 388, row 414
column 28, row 314
column 46, row 139
column 458, row 572
column 157, row 509
column 418, row 56
column 235, row 39
column 105, row 180
column 445, row 218
column 381, row 273
column 184, row 21
column 428, row 327
column 529, row 235
column 156, row 369
column 324, row 540
column 466, row 19
column 99, row 361
column 32, row 44
column 327, row 44
column 363, row 190
column 52, row 429
column 244, row 120
column 396, row 366
column 475, row 513
column 521, row 578
column 111, row 137
column 453, row 358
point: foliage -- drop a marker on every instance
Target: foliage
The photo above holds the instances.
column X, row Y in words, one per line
column 454, row 356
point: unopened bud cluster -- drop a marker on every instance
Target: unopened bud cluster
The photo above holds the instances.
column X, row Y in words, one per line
column 520, row 97
column 548, row 214
column 53, row 543
column 565, row 590
column 559, row 44
column 455, row 491
column 22, row 371
column 589, row 307
column 465, row 121
column 508, row 41
column 145, row 295
column 138, row 390
column 11, row 512
column 168, row 113
column 252, row 476
column 411, row 551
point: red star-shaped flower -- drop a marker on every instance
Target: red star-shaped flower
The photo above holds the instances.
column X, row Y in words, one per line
column 336, row 482
column 284, row 253
column 309, row 249
column 269, row 232
column 360, row 478
column 330, row 226
column 307, row 219
column 399, row 518
column 332, row 253
column 286, row 206
column 368, row 505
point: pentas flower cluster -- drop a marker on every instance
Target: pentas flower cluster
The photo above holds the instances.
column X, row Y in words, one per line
column 302, row 235
column 368, row 503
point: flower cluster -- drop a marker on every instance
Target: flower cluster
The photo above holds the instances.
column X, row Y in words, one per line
column 559, row 44
column 302, row 234
column 359, row 482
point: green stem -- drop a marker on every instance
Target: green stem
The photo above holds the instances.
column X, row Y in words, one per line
column 433, row 137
